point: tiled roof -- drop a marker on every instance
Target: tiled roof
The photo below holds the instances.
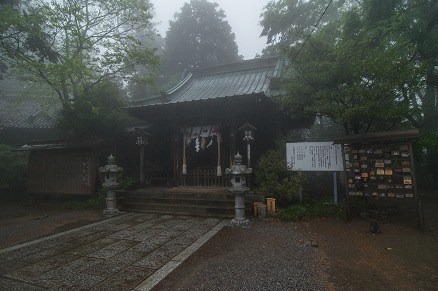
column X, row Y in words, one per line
column 17, row 111
column 230, row 80
column 63, row 144
column 26, row 114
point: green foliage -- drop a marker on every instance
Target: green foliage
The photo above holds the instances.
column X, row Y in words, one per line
column 285, row 22
column 426, row 158
column 314, row 209
column 370, row 69
column 71, row 45
column 349, row 78
column 13, row 170
column 198, row 37
column 275, row 178
column 99, row 111
column 293, row 213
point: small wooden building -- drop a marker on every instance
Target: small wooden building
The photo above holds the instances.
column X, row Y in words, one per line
column 194, row 127
column 63, row 166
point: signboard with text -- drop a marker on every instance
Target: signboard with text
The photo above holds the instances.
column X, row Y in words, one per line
column 315, row 156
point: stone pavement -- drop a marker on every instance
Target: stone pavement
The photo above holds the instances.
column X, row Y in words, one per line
column 130, row 252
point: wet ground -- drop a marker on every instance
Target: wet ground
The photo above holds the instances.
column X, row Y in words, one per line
column 323, row 254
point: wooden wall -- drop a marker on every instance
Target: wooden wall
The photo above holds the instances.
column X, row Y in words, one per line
column 52, row 172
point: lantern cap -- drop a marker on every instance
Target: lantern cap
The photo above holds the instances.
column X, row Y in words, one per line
column 247, row 126
column 111, row 159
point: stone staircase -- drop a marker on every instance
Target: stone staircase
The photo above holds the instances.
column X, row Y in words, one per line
column 194, row 201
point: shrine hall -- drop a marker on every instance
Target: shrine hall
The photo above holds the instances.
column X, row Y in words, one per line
column 191, row 133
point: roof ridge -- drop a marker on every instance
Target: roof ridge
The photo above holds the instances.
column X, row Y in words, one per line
column 244, row 65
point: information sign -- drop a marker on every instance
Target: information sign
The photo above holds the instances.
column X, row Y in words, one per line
column 315, row 156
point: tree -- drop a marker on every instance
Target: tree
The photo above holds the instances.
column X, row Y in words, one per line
column 98, row 111
column 27, row 31
column 140, row 85
column 418, row 24
column 286, row 22
column 373, row 69
column 88, row 41
column 199, row 36
column 353, row 71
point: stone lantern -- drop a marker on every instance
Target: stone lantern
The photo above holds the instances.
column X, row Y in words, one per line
column 238, row 181
column 110, row 183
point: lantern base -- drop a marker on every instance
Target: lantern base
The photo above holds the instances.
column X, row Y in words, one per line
column 240, row 222
column 111, row 212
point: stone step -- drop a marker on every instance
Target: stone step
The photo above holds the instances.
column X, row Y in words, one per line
column 192, row 210
column 174, row 195
column 195, row 201
column 179, row 201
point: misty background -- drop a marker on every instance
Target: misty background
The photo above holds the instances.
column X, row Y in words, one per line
column 242, row 15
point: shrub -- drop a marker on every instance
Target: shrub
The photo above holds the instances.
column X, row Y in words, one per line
column 275, row 178
column 314, row 209
column 293, row 213
column 13, row 170
column 319, row 209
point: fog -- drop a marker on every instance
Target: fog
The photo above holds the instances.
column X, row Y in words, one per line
column 242, row 15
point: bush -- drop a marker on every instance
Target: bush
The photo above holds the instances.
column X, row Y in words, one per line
column 275, row 179
column 315, row 209
column 293, row 213
column 320, row 209
column 13, row 171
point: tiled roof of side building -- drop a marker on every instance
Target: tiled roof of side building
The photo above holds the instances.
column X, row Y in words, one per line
column 230, row 80
column 19, row 111
column 27, row 114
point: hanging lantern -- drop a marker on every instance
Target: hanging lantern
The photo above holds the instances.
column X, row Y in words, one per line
column 248, row 132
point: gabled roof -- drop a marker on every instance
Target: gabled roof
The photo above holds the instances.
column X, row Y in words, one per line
column 231, row 80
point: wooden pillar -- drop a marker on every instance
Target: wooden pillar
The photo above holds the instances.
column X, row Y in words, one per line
column 175, row 156
column 184, row 165
column 232, row 143
column 219, row 140
column 141, row 164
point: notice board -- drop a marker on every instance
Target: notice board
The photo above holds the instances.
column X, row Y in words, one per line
column 315, row 156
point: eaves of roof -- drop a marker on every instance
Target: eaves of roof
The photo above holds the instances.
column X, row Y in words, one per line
column 63, row 144
column 374, row 137
column 232, row 80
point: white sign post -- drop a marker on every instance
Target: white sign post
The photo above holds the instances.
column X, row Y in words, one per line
column 315, row 157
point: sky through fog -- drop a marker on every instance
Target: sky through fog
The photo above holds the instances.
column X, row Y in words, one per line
column 242, row 15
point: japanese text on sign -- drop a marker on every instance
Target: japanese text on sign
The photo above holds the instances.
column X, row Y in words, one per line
column 314, row 156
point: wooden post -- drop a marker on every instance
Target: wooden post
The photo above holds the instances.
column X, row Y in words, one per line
column 184, row 166
column 219, row 169
column 142, row 164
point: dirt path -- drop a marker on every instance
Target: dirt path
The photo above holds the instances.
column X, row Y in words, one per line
column 400, row 258
column 24, row 222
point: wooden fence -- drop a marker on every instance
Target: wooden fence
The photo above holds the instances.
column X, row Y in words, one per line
column 204, row 177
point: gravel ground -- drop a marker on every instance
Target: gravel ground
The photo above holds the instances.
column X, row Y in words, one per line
column 324, row 254
column 267, row 256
